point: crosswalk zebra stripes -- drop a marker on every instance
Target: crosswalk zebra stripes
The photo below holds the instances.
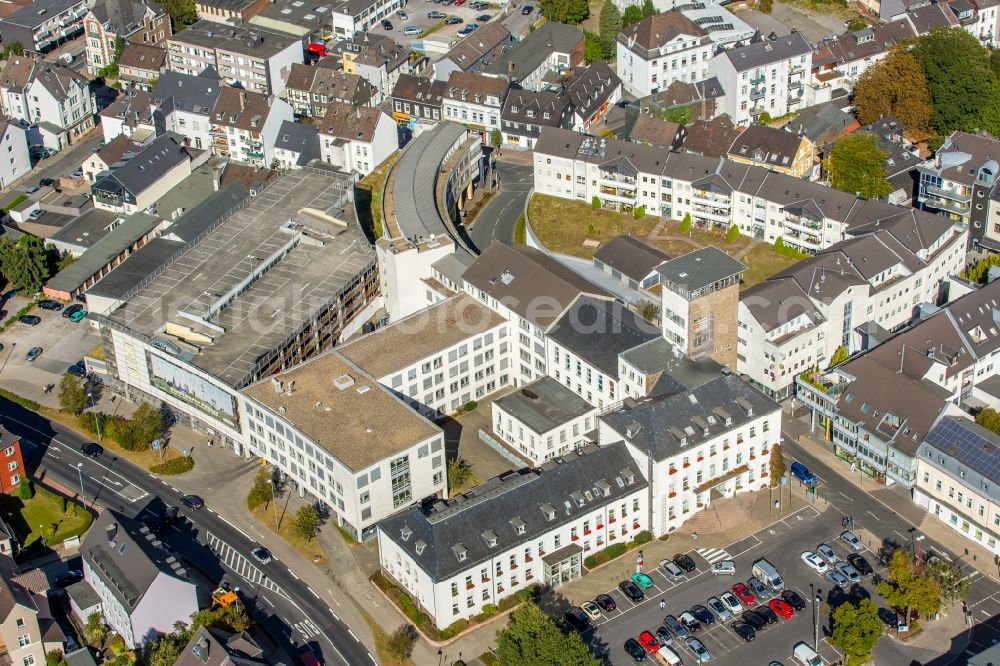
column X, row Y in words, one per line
column 242, row 566
column 713, row 555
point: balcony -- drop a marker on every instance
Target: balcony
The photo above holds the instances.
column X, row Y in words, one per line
column 704, row 198
column 619, row 183
column 757, row 79
column 794, row 84
column 801, row 225
column 757, row 93
column 955, row 194
column 611, row 196
column 945, row 204
column 806, row 241
column 711, row 215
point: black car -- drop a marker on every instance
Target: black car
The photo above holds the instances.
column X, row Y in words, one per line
column 45, row 182
column 77, row 370
column 387, row 25
column 860, row 563
column 31, row 320
column 703, row 614
column 484, row 18
column 889, row 617
column 631, row 590
column 170, row 515
column 50, row 305
column 767, row 614
column 685, row 562
column 744, row 631
column 452, row 20
column 794, row 600
column 527, row 10
column 153, row 523
column 758, row 622
column 605, row 602
column 577, row 619
column 92, row 450
column 192, row 502
column 71, row 310
column 68, row 578
column 635, row 650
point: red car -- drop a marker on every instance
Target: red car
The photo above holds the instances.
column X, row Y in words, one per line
column 782, row 608
column 743, row 593
column 648, row 642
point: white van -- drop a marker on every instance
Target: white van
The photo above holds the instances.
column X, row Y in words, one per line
column 67, row 58
column 805, row 655
column 766, row 573
column 666, row 655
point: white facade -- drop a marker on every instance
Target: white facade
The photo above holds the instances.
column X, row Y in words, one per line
column 349, row 18
column 67, row 114
column 403, row 267
column 583, row 378
column 643, row 72
column 363, row 155
column 264, row 74
column 14, row 159
column 257, row 147
column 472, row 109
column 196, row 127
column 541, row 445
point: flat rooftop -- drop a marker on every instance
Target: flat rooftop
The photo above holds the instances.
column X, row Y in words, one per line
column 87, row 229
column 420, row 335
column 544, row 404
column 257, row 278
column 357, row 420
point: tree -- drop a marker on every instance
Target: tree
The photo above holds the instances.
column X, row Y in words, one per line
column 564, row 11
column 25, row 263
column 496, row 138
column 182, row 13
column 908, row 587
column 894, row 86
column 609, row 26
column 72, row 395
column 595, row 203
column 167, row 649
column 639, row 212
column 856, row 629
column 959, row 77
column 765, row 6
column 685, row 223
column 401, row 642
column 25, row 490
column 951, row 582
column 146, row 425
column 593, row 49
column 233, row 618
column 648, row 310
column 777, row 464
column 648, row 9
column 840, row 355
column 54, row 658
column 306, row 523
column 459, row 473
column 995, row 62
column 632, row 15
column 732, row 234
column 97, row 631
column 856, row 164
column 981, row 270
column 857, row 23
column 679, row 114
column 989, row 418
column 262, row 488
column 533, row 637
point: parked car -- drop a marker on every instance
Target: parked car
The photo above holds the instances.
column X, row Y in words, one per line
column 675, row 627
column 670, row 568
column 744, row 631
column 759, row 589
column 827, row 554
column 793, row 599
column 193, row 502
column 837, row 579
column 732, row 603
column 814, row 562
column 527, row 9
column 93, row 450
column 783, row 608
column 758, row 622
column 32, row 189
column 648, row 642
column 724, row 568
column 76, row 174
column 888, row 617
column 685, row 562
column 77, row 370
column 453, row 20
column 484, row 18
column 411, row 31
column 631, row 590
column 663, row 636
column 861, row 564
column 642, row 580
column 701, row 653
column 68, row 578
column 262, row 555
column 766, row 613
column 386, row 24
column 31, row 320
column 802, row 473
column 70, row 309
column 436, row 15
column 690, row 622
column 577, row 619
column 32, row 354
column 591, row 609
column 702, row 614
column 50, row 305
column 634, row 650
column 605, row 602
column 468, row 29
column 78, row 316
column 743, row 593
column 851, row 540
column 402, row 15
column 36, row 214
column 46, row 182
column 719, row 609
column 848, row 572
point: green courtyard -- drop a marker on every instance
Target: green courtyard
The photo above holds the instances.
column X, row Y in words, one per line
column 46, row 515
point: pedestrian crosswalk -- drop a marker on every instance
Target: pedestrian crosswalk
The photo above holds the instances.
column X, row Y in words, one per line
column 242, row 566
column 713, row 555
column 307, row 628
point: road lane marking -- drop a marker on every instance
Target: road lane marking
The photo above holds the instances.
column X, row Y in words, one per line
column 313, row 592
column 353, row 635
column 293, row 573
column 372, row 658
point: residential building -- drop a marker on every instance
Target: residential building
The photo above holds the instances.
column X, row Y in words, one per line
column 27, row 628
column 957, row 479
column 839, row 61
column 474, row 52
column 767, row 76
column 142, row 180
column 296, row 145
column 552, row 49
column 775, row 149
column 711, row 440
column 711, row 138
column 310, row 89
column 185, row 103
column 356, row 138
column 901, row 158
column 475, row 100
column 630, row 260
column 214, row 647
column 526, row 113
column 131, row 116
column 143, row 590
column 381, row 64
column 229, row 12
column 591, row 92
column 700, row 99
column 42, row 24
column 823, row 124
column 700, row 300
column 295, row 18
column 654, row 131
column 14, row 147
column 251, row 57
column 141, row 22
column 140, row 66
column 661, row 49
column 108, row 155
column 11, row 467
column 56, row 101
column 367, row 454
column 543, row 420
column 960, row 178
column 416, row 99
column 245, row 125
column 527, row 527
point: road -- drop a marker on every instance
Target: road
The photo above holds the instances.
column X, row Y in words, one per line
column 293, row 614
column 497, row 219
column 62, row 164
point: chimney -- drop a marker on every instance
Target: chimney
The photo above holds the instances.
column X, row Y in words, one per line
column 510, row 66
column 111, row 531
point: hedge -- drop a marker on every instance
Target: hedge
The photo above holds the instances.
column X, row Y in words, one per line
column 18, row 199
column 616, row 550
column 174, row 466
column 24, row 402
column 17, row 315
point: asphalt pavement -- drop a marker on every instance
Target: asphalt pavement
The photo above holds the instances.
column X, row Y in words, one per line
column 293, row 615
column 497, row 219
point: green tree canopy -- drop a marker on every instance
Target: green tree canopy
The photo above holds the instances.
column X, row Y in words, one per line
column 72, row 395
column 632, row 15
column 261, row 489
column 952, row 583
column 989, row 419
column 146, row 425
column 856, row 164
column 648, row 9
column 564, row 11
column 593, row 47
column 25, row 264
column 533, row 637
column 908, row 587
column 856, row 629
column 894, row 86
column 609, row 25
column 840, row 354
column 401, row 642
column 777, row 464
column 307, row 522
column 182, row 13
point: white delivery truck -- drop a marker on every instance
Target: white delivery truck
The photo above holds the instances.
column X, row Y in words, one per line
column 766, row 573
column 805, row 655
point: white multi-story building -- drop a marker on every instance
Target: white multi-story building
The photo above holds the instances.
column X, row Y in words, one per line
column 530, row 527
column 14, row 148
column 769, row 76
column 474, row 99
column 661, row 49
column 334, row 430
column 356, row 138
column 350, row 17
column 53, row 99
column 185, row 103
column 714, row 438
column 245, row 125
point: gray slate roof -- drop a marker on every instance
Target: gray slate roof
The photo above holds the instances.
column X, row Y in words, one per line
column 143, row 170
column 300, row 138
column 776, row 302
column 520, row 60
column 767, row 51
column 413, row 197
column 194, row 94
column 700, row 268
column 446, row 528
column 544, row 404
column 452, row 266
column 630, row 256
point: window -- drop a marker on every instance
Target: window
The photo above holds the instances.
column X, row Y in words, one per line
column 24, row 640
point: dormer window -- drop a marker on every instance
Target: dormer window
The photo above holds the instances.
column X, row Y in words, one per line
column 546, row 115
column 460, row 552
column 405, row 533
column 530, row 113
column 490, row 538
column 549, row 511
column 513, row 109
column 420, row 545
column 518, row 525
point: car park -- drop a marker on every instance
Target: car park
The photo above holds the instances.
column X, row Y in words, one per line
column 668, row 656
column 435, row 15
column 411, row 30
column 50, row 305
column 758, row 622
column 193, row 502
column 685, row 562
column 888, row 617
column 848, row 572
column 837, row 579
column 70, row 309
column 262, row 555
column 670, row 568
column 759, row 589
column 577, row 619
column 793, row 599
column 724, row 568
column 814, row 562
column 744, row 631
column 827, row 554
column 663, row 636
column 605, row 602
column 702, row 614
column 861, row 564
column 852, row 540
column 93, row 450
column 719, row 609
column 690, row 622
column 642, row 580
column 766, row 613
column 782, row 608
column 648, row 642
column 675, row 627
column 631, row 590
column 32, row 354
column 634, row 650
column 591, row 609
column 731, row 602
column 31, row 320
column 701, row 653
column 743, row 593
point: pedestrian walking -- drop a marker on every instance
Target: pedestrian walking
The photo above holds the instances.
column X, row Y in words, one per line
column 663, row 604
column 694, row 536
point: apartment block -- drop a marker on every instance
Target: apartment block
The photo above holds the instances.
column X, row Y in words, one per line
column 140, row 22
column 661, row 49
column 41, row 25
column 14, row 143
column 474, row 100
column 550, row 50
column 245, row 125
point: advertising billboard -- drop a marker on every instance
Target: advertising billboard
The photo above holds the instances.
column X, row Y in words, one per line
column 194, row 390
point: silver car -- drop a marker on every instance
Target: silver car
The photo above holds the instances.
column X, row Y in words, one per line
column 719, row 609
column 760, row 590
column 827, row 554
column 724, row 568
column 848, row 572
column 701, row 653
column 671, row 569
column 837, row 579
column 732, row 603
column 851, row 540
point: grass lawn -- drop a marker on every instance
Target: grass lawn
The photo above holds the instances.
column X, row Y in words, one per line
column 144, row 459
column 703, row 238
column 372, row 184
column 763, row 262
column 29, row 518
column 563, row 225
column 310, row 550
column 382, row 644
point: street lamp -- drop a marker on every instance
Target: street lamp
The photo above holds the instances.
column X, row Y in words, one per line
column 815, row 594
column 79, row 470
column 97, row 423
column 273, row 505
column 918, row 540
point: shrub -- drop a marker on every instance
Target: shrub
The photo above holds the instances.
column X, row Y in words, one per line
column 489, row 610
column 732, row 234
column 787, row 250
column 639, row 212
column 24, row 402
column 117, row 644
column 685, row 223
column 471, row 405
column 643, row 537
column 595, row 202
column 26, row 490
column 174, row 466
